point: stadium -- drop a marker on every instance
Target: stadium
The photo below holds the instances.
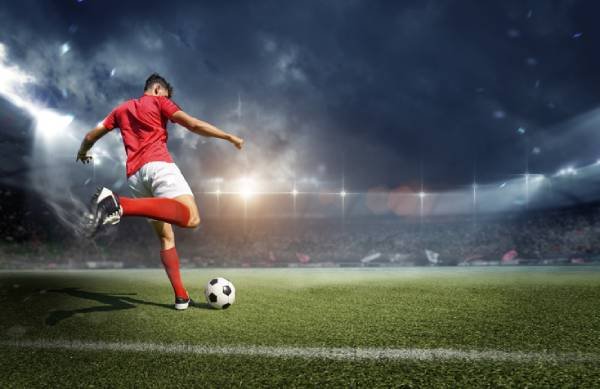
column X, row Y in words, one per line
column 415, row 203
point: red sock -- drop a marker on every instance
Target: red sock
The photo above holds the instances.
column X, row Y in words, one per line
column 166, row 210
column 170, row 261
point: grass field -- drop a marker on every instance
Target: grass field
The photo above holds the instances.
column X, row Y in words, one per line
column 455, row 327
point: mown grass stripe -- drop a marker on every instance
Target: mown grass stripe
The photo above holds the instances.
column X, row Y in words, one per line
column 342, row 353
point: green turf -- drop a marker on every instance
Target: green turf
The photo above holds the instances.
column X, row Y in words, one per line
column 539, row 309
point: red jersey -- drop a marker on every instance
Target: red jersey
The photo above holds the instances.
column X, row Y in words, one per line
column 143, row 124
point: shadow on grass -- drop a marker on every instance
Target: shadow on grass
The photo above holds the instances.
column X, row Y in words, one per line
column 112, row 301
column 201, row 305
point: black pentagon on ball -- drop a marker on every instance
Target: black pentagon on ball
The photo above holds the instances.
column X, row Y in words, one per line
column 212, row 298
column 213, row 281
column 226, row 290
column 225, row 306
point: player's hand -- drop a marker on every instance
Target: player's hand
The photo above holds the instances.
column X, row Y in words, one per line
column 237, row 142
column 83, row 157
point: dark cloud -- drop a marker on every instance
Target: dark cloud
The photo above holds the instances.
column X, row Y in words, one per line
column 380, row 92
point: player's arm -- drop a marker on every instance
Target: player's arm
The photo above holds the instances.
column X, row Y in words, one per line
column 205, row 129
column 88, row 141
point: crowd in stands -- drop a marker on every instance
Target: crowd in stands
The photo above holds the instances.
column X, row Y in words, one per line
column 537, row 236
column 534, row 237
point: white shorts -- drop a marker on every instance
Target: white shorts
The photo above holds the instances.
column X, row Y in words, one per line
column 158, row 179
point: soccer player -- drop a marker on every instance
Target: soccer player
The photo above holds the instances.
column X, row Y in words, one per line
column 160, row 192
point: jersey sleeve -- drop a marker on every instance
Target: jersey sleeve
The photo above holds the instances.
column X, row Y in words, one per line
column 110, row 122
column 168, row 107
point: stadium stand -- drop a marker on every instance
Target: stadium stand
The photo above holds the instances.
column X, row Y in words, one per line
column 568, row 236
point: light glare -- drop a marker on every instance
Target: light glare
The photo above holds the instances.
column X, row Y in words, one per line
column 49, row 123
column 247, row 187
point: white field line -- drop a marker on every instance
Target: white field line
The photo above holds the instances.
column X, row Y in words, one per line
column 344, row 353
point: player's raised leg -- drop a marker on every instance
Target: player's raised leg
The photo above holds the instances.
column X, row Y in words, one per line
column 170, row 261
column 190, row 204
column 167, row 210
column 108, row 208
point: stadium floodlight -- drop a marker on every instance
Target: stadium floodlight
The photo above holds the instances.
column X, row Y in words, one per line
column 246, row 193
column 343, row 193
column 247, row 186
column 49, row 124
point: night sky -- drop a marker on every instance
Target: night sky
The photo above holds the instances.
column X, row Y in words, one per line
column 381, row 93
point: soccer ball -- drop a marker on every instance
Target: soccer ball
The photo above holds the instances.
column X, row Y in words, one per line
column 220, row 293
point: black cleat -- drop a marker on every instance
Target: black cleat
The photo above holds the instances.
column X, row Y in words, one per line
column 105, row 209
column 181, row 303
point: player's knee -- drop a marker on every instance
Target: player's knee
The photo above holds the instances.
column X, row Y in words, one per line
column 167, row 241
column 167, row 238
column 194, row 221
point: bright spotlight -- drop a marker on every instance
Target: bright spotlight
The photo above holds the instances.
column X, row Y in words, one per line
column 218, row 192
column 343, row 193
column 246, row 193
column 49, row 124
column 294, row 192
column 246, row 188
column 422, row 194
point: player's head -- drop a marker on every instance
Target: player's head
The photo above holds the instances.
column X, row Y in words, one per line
column 158, row 86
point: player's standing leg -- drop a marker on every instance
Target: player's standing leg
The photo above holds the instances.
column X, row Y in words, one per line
column 168, row 252
column 170, row 261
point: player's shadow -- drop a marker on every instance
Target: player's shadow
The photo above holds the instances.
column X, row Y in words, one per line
column 112, row 301
column 201, row 305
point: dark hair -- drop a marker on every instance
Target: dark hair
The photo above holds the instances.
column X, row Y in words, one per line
column 156, row 78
